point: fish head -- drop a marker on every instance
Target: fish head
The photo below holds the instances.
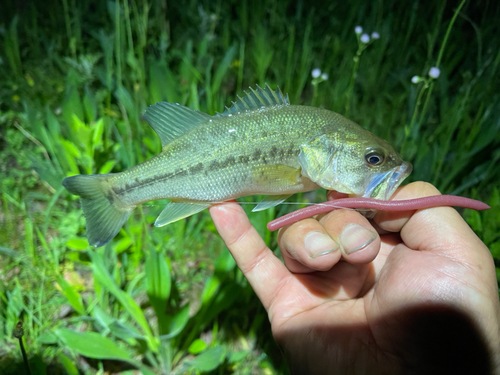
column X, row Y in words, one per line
column 362, row 165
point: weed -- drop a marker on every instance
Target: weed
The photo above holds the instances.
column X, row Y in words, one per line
column 76, row 77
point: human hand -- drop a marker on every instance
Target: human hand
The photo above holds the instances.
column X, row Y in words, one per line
column 419, row 295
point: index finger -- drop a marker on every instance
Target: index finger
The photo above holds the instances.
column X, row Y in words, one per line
column 263, row 270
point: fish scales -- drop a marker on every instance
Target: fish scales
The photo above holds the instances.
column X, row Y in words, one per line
column 217, row 160
column 260, row 145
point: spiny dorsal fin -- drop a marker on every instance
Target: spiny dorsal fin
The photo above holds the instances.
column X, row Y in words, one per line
column 170, row 120
column 256, row 99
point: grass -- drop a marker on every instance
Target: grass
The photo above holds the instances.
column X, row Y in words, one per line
column 76, row 77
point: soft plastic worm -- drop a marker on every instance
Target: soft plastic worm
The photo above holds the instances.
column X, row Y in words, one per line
column 377, row 204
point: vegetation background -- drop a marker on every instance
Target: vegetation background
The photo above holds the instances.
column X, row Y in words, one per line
column 75, row 77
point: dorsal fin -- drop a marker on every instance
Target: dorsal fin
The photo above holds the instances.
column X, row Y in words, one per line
column 256, row 99
column 170, row 120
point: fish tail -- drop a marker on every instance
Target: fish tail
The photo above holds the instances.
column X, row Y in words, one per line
column 104, row 211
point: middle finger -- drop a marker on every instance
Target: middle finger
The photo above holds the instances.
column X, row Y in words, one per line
column 311, row 245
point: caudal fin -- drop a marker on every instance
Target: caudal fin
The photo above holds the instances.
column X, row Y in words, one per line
column 104, row 212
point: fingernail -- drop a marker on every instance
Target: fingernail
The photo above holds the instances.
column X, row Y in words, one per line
column 318, row 244
column 354, row 237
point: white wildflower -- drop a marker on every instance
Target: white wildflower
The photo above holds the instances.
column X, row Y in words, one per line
column 375, row 35
column 316, row 73
column 358, row 30
column 416, row 79
column 434, row 72
column 324, row 76
column 365, row 38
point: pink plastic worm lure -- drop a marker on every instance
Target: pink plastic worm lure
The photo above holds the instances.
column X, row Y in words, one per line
column 377, row 204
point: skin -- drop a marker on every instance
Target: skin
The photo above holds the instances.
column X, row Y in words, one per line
column 421, row 297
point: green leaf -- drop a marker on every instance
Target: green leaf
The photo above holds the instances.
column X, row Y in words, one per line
column 209, row 360
column 158, row 283
column 125, row 99
column 105, row 280
column 77, row 244
column 238, row 356
column 71, row 149
column 47, row 338
column 92, row 345
column 73, row 297
column 124, row 331
column 123, row 244
column 211, row 287
column 225, row 262
column 68, row 364
column 495, row 249
column 177, row 323
column 89, row 105
column 475, row 221
column 72, row 105
column 197, row 346
column 102, row 317
column 16, row 303
column 97, row 135
column 222, row 68
column 5, row 251
column 107, row 167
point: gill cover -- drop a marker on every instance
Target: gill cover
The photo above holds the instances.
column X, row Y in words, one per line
column 319, row 162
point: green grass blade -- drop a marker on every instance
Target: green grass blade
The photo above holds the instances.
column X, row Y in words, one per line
column 128, row 303
column 73, row 297
column 158, row 283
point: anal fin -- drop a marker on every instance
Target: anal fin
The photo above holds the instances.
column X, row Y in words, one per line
column 270, row 201
column 178, row 210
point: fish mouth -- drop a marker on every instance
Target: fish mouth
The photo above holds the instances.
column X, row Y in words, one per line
column 383, row 185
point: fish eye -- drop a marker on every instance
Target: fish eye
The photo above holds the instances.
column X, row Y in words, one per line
column 374, row 157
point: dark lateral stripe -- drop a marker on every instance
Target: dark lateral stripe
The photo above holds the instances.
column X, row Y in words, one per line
column 230, row 161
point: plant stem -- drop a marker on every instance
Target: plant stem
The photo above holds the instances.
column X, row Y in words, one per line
column 68, row 28
column 18, row 334
column 117, row 45
column 354, row 75
column 417, row 105
column 440, row 56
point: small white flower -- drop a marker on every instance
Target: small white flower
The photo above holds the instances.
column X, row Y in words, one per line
column 324, row 76
column 416, row 79
column 358, row 29
column 58, row 111
column 434, row 72
column 316, row 73
column 375, row 35
column 365, row 38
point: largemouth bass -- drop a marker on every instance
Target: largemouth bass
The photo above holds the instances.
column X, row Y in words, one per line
column 260, row 145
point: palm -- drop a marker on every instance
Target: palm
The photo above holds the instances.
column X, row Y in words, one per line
column 351, row 309
column 426, row 302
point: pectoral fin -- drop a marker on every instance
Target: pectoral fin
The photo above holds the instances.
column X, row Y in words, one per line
column 276, row 175
column 270, row 201
column 178, row 210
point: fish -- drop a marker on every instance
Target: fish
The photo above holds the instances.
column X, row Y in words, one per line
column 260, row 145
